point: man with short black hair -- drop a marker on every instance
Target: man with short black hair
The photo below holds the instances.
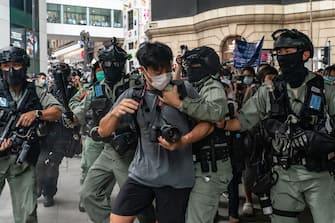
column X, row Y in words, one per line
column 162, row 168
column 42, row 80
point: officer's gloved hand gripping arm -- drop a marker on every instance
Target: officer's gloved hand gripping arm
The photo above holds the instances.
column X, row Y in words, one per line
column 109, row 123
column 199, row 132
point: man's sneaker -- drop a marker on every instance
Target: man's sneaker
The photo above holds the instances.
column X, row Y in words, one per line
column 248, row 209
column 48, row 201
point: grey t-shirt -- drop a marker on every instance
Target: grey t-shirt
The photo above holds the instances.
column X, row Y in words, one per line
column 154, row 165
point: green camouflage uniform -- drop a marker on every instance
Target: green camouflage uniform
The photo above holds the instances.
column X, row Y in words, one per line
column 91, row 148
column 21, row 178
column 296, row 186
column 204, row 199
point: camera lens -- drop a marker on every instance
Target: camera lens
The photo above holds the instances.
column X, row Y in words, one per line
column 170, row 133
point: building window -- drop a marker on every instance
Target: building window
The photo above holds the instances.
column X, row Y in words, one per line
column 117, row 19
column 75, row 15
column 130, row 46
column 53, row 13
column 130, row 20
column 228, row 47
column 29, row 6
column 100, row 17
column 18, row 4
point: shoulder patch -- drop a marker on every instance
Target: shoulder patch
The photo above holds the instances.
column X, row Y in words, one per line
column 4, row 102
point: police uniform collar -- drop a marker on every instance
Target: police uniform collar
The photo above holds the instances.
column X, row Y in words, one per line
column 308, row 77
column 201, row 82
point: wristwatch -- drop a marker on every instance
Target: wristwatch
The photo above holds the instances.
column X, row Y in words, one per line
column 38, row 114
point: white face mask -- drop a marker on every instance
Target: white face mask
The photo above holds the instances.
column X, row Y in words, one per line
column 161, row 81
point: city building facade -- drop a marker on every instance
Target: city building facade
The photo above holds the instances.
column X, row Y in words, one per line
column 66, row 19
column 23, row 26
column 219, row 23
column 136, row 17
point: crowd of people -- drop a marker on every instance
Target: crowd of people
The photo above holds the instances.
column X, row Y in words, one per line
column 174, row 137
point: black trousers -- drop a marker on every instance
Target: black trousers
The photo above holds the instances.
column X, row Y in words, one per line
column 47, row 169
column 233, row 192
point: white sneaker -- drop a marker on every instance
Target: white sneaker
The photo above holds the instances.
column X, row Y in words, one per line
column 248, row 209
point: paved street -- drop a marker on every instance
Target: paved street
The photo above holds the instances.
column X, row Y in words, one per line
column 66, row 201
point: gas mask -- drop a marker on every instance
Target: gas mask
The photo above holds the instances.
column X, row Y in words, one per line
column 15, row 77
column 113, row 74
column 293, row 69
column 195, row 74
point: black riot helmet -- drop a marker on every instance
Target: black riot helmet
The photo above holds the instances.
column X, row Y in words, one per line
column 201, row 62
column 62, row 68
column 112, row 59
column 61, row 72
column 285, row 38
column 15, row 54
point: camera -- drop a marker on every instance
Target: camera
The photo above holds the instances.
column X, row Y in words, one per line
column 265, row 202
column 239, row 83
column 125, row 141
column 169, row 132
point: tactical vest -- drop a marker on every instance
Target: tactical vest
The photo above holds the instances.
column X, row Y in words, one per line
column 104, row 97
column 101, row 102
column 214, row 147
column 7, row 104
column 300, row 139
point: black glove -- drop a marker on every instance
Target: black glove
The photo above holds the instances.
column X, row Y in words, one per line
column 299, row 140
column 67, row 119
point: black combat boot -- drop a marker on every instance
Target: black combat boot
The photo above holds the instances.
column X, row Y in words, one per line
column 48, row 201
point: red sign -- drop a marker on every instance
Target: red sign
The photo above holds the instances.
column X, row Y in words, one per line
column 82, row 54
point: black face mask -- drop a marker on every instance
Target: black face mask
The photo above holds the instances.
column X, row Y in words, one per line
column 195, row 74
column 112, row 75
column 15, row 77
column 293, row 69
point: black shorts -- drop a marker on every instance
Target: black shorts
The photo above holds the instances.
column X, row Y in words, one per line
column 133, row 198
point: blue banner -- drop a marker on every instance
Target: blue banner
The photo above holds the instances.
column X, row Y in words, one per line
column 247, row 54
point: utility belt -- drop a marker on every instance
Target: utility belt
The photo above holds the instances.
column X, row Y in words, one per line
column 211, row 154
column 294, row 145
column 311, row 163
column 286, row 162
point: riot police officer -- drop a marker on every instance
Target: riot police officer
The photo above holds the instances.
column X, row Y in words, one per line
column 31, row 104
column 296, row 112
column 110, row 165
column 84, row 112
column 212, row 165
column 65, row 140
